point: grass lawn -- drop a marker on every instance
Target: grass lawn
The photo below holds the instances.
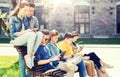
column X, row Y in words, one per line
column 9, row 66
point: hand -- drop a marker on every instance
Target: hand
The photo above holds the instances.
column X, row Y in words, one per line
column 35, row 29
column 55, row 58
column 80, row 54
column 23, row 32
column 86, row 57
column 81, row 48
column 29, row 30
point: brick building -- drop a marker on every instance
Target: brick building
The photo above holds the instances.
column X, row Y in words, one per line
column 91, row 18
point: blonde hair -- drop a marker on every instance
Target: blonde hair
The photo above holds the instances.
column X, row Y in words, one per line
column 54, row 33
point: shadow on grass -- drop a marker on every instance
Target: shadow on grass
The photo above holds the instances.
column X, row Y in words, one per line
column 12, row 71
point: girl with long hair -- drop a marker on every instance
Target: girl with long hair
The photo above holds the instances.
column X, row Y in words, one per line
column 20, row 33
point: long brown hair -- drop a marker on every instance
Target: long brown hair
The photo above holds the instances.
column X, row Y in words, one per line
column 20, row 5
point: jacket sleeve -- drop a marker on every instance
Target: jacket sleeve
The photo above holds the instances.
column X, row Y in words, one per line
column 37, row 55
column 36, row 25
column 12, row 27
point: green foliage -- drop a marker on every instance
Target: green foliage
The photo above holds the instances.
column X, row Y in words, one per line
column 9, row 66
column 4, row 25
column 7, row 61
column 11, row 71
column 2, row 15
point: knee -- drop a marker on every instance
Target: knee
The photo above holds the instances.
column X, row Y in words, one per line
column 92, row 53
column 88, row 64
column 91, row 62
column 39, row 34
column 82, row 63
column 32, row 34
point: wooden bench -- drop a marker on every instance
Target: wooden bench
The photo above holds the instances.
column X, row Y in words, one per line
column 37, row 70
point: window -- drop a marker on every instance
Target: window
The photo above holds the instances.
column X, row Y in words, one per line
column 111, row 13
column 84, row 29
column 93, row 1
column 0, row 30
column 93, row 8
column 111, row 1
column 118, row 20
column 82, row 20
column 81, row 17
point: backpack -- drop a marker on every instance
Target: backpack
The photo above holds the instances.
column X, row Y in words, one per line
column 5, row 27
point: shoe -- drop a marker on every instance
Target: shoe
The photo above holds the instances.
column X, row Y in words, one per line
column 102, row 70
column 108, row 66
column 33, row 61
column 28, row 61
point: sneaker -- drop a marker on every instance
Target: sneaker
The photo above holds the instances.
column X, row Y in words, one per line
column 102, row 70
column 28, row 61
column 33, row 61
column 108, row 66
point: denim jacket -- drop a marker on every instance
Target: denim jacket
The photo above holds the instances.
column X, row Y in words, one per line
column 15, row 25
column 54, row 50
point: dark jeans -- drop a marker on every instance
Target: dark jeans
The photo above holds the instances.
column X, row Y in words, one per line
column 94, row 58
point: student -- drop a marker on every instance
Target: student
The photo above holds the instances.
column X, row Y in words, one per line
column 21, row 34
column 32, row 20
column 90, row 56
column 54, row 49
column 65, row 45
column 32, row 23
column 44, row 57
column 89, row 63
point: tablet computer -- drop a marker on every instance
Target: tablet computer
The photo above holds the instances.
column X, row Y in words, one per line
column 62, row 54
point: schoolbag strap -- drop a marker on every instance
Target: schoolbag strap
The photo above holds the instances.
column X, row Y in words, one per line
column 4, row 26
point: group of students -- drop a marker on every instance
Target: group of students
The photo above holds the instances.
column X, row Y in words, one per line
column 42, row 46
column 49, row 52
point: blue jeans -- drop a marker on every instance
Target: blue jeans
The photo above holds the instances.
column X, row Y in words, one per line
column 22, row 65
column 81, row 67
